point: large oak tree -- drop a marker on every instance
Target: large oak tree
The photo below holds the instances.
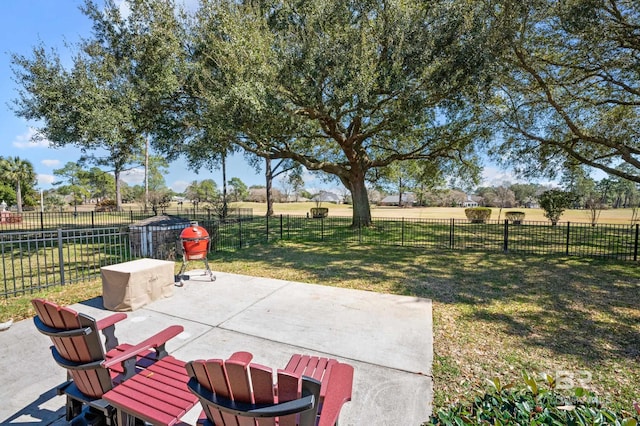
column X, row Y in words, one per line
column 346, row 87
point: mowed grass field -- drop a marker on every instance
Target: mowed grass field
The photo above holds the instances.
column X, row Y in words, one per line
column 613, row 216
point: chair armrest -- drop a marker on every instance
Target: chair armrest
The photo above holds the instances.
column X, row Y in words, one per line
column 243, row 357
column 339, row 387
column 108, row 328
column 157, row 342
column 110, row 320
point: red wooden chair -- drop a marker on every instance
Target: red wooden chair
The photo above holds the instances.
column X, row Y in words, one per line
column 238, row 392
column 93, row 369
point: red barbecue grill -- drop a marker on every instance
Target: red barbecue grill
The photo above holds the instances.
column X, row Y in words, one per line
column 195, row 246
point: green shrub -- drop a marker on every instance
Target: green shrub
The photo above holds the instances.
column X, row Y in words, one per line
column 514, row 216
column 478, row 214
column 554, row 202
column 319, row 212
column 533, row 405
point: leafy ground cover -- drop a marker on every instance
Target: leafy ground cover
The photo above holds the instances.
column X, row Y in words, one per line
column 495, row 315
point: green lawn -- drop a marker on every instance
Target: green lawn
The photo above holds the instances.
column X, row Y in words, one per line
column 495, row 315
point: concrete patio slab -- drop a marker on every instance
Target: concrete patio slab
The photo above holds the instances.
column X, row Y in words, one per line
column 386, row 338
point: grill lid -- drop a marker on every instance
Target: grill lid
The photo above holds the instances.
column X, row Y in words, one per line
column 194, row 232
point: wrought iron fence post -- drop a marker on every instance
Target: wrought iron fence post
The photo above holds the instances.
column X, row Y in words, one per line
column 60, row 256
column 267, row 229
column 281, row 230
column 240, row 233
column 402, row 233
column 93, row 221
column 451, row 232
column 321, row 228
column 568, row 234
column 635, row 246
column 505, row 246
column 42, row 221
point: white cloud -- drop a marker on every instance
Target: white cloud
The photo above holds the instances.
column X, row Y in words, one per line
column 50, row 163
column 133, row 176
column 30, row 139
column 179, row 185
column 492, row 176
column 45, row 180
column 188, row 5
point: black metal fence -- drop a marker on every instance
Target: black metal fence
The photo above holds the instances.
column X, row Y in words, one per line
column 43, row 221
column 36, row 259
column 540, row 238
column 33, row 261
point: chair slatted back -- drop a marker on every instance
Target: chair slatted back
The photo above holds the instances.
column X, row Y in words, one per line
column 245, row 382
column 312, row 366
column 76, row 343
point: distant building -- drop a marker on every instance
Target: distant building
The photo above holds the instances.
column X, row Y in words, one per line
column 470, row 202
column 530, row 203
column 295, row 198
column 326, row 197
column 408, row 199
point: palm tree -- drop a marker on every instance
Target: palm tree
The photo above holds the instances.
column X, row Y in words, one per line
column 17, row 171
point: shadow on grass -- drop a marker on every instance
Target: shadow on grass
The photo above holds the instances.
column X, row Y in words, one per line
column 587, row 308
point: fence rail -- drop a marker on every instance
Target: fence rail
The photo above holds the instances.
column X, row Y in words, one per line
column 529, row 237
column 43, row 221
column 32, row 260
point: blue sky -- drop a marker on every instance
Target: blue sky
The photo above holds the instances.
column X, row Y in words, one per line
column 55, row 23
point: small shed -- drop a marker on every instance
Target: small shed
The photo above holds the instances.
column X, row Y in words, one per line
column 157, row 237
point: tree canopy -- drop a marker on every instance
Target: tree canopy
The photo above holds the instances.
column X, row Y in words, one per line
column 20, row 173
column 115, row 87
column 570, row 87
column 343, row 87
column 364, row 92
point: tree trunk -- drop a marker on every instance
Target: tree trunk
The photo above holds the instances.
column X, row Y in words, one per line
column 361, row 208
column 116, row 175
column 19, row 196
column 269, row 178
column 224, row 186
column 146, row 174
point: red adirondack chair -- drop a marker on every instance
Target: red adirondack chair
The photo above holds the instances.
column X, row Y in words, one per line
column 309, row 391
column 93, row 369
